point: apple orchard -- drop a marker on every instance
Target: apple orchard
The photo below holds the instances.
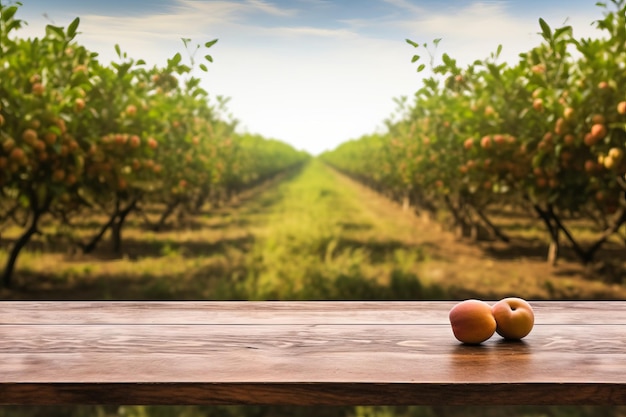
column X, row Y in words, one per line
column 546, row 136
column 78, row 137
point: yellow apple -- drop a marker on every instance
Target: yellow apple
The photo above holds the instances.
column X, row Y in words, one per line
column 514, row 317
column 472, row 321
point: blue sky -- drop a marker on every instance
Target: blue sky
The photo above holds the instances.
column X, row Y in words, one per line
column 313, row 73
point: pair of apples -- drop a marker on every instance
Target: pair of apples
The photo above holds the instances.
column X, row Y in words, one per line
column 474, row 321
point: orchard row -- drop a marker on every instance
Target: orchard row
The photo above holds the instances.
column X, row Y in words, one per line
column 77, row 135
column 547, row 133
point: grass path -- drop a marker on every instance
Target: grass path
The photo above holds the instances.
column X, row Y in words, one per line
column 317, row 235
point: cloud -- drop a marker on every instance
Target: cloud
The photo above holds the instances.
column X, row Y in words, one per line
column 310, row 32
column 406, row 6
column 475, row 31
column 270, row 8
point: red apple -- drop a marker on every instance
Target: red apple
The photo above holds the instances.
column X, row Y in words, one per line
column 514, row 317
column 472, row 321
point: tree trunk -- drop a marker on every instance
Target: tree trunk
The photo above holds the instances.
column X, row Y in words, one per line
column 459, row 223
column 406, row 202
column 548, row 216
column 116, row 227
column 166, row 214
column 89, row 247
column 493, row 229
column 554, row 247
column 115, row 223
column 618, row 221
column 37, row 211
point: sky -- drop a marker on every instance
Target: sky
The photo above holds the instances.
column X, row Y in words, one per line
column 312, row 73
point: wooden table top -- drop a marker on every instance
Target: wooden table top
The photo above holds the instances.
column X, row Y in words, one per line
column 303, row 353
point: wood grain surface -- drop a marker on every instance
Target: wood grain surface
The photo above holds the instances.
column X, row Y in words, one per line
column 303, row 353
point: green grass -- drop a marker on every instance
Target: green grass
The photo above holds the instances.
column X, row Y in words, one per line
column 318, row 241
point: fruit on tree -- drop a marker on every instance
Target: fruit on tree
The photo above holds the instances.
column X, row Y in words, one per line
column 609, row 163
column 39, row 145
column 131, row 110
column 17, row 155
column 600, row 196
column 616, row 153
column 29, row 136
column 560, row 127
column 120, row 138
column 50, row 138
column 590, row 166
column 152, row 143
column 541, row 182
column 598, row 119
column 598, row 131
column 79, row 104
column 38, row 89
column 499, row 139
column 135, row 141
column 514, row 318
column 58, row 175
column 538, row 68
column 621, row 107
column 472, row 321
column 8, row 144
column 569, row 139
column 613, row 158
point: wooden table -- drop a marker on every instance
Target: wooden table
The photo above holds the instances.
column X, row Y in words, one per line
column 303, row 353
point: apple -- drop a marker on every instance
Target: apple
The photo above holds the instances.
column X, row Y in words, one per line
column 569, row 139
column 598, row 119
column 152, row 143
column 472, row 321
column 598, row 131
column 469, row 142
column 616, row 153
column 131, row 110
column 609, row 163
column 514, row 318
column 79, row 104
column 538, row 68
column 499, row 139
column 135, row 141
column 38, row 89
